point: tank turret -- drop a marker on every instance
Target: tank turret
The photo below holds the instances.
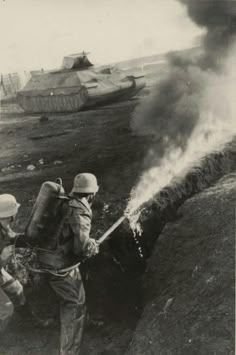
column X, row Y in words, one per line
column 77, row 61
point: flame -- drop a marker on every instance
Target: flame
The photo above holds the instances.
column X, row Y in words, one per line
column 216, row 126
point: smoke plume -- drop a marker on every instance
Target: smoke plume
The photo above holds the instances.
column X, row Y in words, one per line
column 190, row 112
column 218, row 17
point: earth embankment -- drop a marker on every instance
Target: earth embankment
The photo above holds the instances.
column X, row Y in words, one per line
column 189, row 281
column 102, row 142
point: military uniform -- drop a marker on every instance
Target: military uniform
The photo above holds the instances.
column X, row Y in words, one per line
column 69, row 289
column 11, row 291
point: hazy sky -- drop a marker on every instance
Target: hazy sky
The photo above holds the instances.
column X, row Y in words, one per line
column 38, row 33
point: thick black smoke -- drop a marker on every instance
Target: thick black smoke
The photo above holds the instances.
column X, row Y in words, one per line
column 218, row 17
column 173, row 110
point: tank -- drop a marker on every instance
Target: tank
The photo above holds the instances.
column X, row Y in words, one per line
column 77, row 85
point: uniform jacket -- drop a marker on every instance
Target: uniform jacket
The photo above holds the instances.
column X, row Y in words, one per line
column 77, row 226
column 73, row 242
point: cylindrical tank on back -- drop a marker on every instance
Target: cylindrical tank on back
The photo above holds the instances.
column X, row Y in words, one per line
column 44, row 210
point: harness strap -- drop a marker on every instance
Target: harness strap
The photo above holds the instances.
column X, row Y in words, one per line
column 63, row 220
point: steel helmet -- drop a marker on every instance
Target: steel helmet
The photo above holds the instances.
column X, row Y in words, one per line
column 85, row 183
column 8, row 206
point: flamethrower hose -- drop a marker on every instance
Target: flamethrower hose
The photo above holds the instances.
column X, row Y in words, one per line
column 64, row 272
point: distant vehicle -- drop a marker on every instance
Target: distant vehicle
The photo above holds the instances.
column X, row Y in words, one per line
column 78, row 85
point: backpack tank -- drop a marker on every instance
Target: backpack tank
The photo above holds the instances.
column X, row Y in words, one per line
column 45, row 218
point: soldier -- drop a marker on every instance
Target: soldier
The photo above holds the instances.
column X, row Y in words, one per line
column 76, row 244
column 11, row 291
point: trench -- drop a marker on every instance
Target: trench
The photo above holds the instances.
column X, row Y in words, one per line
column 116, row 275
column 114, row 280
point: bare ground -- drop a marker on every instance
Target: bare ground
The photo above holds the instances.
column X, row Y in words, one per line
column 189, row 282
column 101, row 141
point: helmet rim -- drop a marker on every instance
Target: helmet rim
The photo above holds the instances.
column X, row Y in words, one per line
column 85, row 183
column 9, row 206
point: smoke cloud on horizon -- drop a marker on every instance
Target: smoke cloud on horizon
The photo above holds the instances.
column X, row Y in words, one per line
column 218, row 17
column 189, row 112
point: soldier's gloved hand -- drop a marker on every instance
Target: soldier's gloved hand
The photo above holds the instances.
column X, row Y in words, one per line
column 6, row 253
column 91, row 248
column 10, row 233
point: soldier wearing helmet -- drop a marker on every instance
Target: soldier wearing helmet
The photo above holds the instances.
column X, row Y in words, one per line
column 76, row 242
column 9, row 287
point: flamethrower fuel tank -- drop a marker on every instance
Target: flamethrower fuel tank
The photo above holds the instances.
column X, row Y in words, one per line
column 44, row 219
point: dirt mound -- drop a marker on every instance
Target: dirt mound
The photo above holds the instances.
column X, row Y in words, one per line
column 163, row 206
column 189, row 282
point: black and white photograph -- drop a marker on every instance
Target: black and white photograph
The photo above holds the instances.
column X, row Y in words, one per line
column 117, row 177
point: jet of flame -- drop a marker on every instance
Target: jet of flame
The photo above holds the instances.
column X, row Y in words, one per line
column 216, row 126
column 192, row 110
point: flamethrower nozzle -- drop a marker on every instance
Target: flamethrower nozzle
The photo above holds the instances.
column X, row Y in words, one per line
column 111, row 229
column 114, row 226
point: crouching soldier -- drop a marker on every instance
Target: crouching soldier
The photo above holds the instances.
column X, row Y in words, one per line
column 76, row 244
column 11, row 291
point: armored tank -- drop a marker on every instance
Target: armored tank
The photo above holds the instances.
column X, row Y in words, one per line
column 76, row 86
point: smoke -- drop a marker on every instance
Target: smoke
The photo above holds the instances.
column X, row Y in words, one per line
column 191, row 112
column 218, row 17
column 172, row 111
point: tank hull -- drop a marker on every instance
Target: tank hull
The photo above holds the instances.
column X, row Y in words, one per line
column 53, row 103
column 76, row 91
column 123, row 93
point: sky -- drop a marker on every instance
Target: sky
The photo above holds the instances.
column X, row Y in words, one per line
column 37, row 34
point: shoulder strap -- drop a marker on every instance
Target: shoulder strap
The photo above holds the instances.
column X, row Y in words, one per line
column 3, row 231
column 65, row 212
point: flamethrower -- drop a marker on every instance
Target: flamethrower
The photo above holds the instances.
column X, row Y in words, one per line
column 63, row 272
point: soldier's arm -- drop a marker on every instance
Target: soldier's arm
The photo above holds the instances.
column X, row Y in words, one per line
column 19, row 239
column 5, row 254
column 80, row 223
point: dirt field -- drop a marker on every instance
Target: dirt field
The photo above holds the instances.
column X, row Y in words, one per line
column 98, row 141
column 101, row 141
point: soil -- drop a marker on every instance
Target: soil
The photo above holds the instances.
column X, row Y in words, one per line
column 101, row 141
column 98, row 141
column 189, row 282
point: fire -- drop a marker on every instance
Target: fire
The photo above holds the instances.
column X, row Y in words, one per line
column 194, row 107
column 215, row 127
